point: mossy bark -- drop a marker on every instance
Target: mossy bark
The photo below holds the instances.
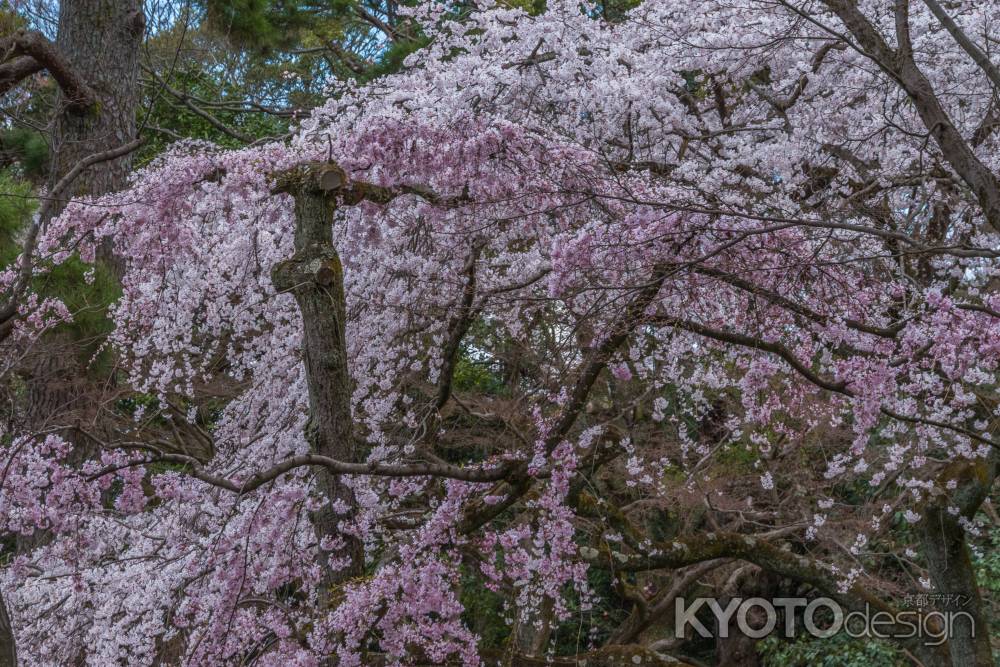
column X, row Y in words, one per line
column 314, row 276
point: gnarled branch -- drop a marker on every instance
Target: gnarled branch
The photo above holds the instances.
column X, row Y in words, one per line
column 33, row 44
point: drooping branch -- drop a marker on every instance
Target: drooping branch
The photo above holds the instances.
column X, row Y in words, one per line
column 793, row 306
column 33, row 44
column 781, row 223
column 635, row 314
column 16, row 291
column 742, row 340
column 519, row 483
column 835, row 386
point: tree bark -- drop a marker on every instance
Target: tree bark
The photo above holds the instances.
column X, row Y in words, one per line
column 101, row 39
column 900, row 65
column 950, row 564
column 737, row 649
column 533, row 629
column 315, row 278
column 76, row 93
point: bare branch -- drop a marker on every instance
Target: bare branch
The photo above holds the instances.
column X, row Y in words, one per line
column 970, row 47
column 466, row 313
column 78, row 93
column 16, row 70
column 595, row 361
column 333, row 466
column 188, row 102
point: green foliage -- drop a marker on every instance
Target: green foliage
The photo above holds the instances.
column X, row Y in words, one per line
column 739, row 456
column 473, row 376
column 392, row 58
column 257, row 24
column 483, row 612
column 10, row 20
column 28, row 148
column 533, row 7
column 838, row 651
column 986, row 560
column 87, row 291
column 172, row 119
column 615, row 10
column 592, row 625
column 16, row 207
column 337, row 39
column 130, row 404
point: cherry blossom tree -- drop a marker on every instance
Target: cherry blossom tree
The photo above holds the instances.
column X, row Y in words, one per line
column 734, row 227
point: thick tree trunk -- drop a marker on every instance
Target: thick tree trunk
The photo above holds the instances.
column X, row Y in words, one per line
column 101, row 39
column 737, row 649
column 950, row 564
column 533, row 629
column 315, row 277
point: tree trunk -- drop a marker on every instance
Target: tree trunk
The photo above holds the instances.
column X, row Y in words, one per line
column 950, row 564
column 315, row 277
column 533, row 629
column 101, row 39
column 737, row 649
